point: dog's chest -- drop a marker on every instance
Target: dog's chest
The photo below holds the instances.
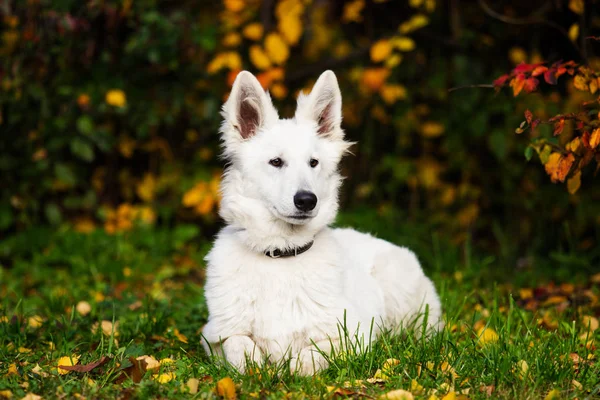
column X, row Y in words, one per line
column 299, row 301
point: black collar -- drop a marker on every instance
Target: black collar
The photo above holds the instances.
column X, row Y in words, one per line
column 278, row 253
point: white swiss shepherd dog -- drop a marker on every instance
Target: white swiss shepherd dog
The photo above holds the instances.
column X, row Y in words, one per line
column 279, row 280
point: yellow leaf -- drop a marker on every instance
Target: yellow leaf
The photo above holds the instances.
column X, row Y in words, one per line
column 165, row 377
column 393, row 61
column 450, row 396
column 554, row 394
column 259, row 57
column 278, row 90
column 558, row 166
column 403, row 43
column 574, row 32
column 397, row 395
column 232, row 39
column 234, row 5
column 577, row 6
column 166, row 361
column 83, row 308
column 253, row 31
column 353, row 11
column 31, row 396
column 589, row 322
column 290, row 27
column 289, row 7
column 151, row 362
column 432, row 129
column 521, row 369
column 276, row 48
column 593, row 86
column 195, row 195
column 146, row 187
column 517, row 55
column 12, row 370
column 415, row 3
column 580, row 83
column 392, row 93
column 573, row 145
column 226, row 388
column 116, row 98
column 192, row 385
column 487, row 336
column 415, row 387
column 595, row 138
column 416, row 22
column 108, row 328
column 35, row 322
column 66, row 361
column 6, row 394
column 574, row 182
column 181, row 337
column 228, row 59
column 381, row 50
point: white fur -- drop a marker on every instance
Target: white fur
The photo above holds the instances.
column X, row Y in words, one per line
column 261, row 307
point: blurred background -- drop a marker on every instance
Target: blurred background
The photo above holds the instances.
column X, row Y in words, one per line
column 110, row 109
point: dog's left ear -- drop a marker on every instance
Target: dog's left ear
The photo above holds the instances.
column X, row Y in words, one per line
column 324, row 106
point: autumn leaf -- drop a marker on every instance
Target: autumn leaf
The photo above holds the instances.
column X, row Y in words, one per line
column 66, row 361
column 403, row 43
column 253, row 31
column 234, row 5
column 232, row 39
column 290, row 27
column 528, row 116
column 276, row 48
column 226, row 388
column 559, row 126
column 550, row 77
column 590, row 323
column 87, row 367
column 574, row 182
column 259, row 58
column 580, row 83
column 381, row 50
column 415, row 22
column 517, row 84
column 530, row 85
column 539, row 70
column 554, row 394
column 83, row 308
column 392, row 93
column 374, row 78
column 353, row 11
column 432, row 129
column 594, row 138
column 165, row 377
column 501, row 81
column 146, row 188
column 574, row 32
column 558, row 166
column 397, row 395
column 116, row 98
column 577, row 6
column 487, row 336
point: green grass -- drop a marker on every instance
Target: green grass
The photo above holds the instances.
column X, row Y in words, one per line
column 149, row 283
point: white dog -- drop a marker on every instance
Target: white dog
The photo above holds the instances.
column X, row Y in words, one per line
column 279, row 280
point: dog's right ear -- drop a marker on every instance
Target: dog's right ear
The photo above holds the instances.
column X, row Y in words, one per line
column 248, row 108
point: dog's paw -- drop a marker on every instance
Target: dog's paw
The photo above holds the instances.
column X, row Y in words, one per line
column 308, row 362
column 237, row 349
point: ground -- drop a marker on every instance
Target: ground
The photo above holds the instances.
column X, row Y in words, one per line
column 127, row 310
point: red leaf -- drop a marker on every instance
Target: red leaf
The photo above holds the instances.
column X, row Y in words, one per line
column 549, row 76
column 85, row 368
column 559, row 126
column 530, row 85
column 535, row 123
column 528, row 116
column 501, row 80
column 539, row 70
column 580, row 125
column 521, row 68
column 560, row 71
column 585, row 139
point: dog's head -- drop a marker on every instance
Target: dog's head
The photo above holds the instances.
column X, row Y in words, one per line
column 285, row 170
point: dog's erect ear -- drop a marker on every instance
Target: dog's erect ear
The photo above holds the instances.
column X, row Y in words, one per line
column 248, row 108
column 324, row 106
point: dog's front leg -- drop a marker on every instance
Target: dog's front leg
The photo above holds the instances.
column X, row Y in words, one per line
column 310, row 360
column 239, row 347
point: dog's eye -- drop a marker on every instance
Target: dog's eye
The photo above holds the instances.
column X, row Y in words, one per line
column 276, row 162
column 313, row 163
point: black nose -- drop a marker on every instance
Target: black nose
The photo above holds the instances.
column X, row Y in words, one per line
column 305, row 201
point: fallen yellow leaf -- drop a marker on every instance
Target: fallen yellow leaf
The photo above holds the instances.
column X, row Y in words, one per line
column 192, row 385
column 12, row 370
column 31, row 396
column 397, row 395
column 151, row 362
column 450, row 396
column 35, row 322
column 6, row 394
column 83, row 308
column 554, row 394
column 589, row 322
column 226, row 388
column 166, row 377
column 487, row 336
column 66, row 361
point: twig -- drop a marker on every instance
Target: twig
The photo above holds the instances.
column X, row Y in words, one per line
column 487, row 86
column 530, row 21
